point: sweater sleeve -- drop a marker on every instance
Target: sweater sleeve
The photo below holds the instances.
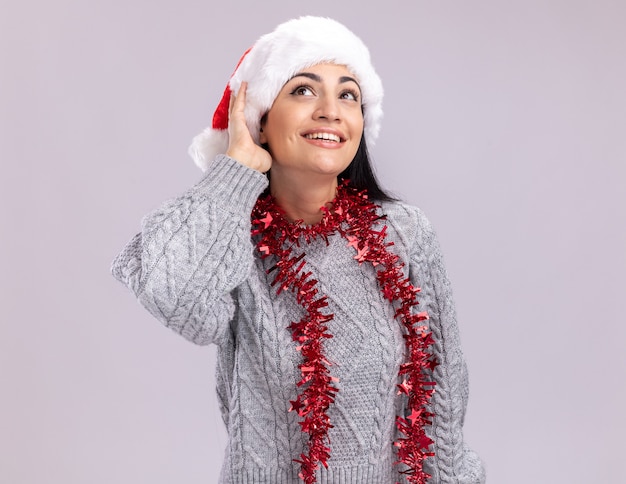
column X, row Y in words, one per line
column 454, row 462
column 193, row 251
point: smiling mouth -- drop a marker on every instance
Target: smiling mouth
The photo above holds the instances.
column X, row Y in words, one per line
column 324, row 136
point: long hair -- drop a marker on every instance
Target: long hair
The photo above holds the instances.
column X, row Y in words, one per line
column 361, row 176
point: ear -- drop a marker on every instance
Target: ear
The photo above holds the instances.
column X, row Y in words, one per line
column 262, row 137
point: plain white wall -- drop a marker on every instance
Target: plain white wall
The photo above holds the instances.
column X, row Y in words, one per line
column 505, row 122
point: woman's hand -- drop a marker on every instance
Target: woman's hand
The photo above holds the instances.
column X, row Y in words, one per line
column 241, row 146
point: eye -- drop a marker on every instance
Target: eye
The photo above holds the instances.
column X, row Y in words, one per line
column 302, row 90
column 349, row 95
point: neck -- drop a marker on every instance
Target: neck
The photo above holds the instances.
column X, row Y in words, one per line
column 301, row 199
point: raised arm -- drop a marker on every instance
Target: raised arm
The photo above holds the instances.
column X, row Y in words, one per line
column 194, row 250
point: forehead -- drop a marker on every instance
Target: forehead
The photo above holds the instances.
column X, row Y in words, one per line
column 328, row 69
column 332, row 74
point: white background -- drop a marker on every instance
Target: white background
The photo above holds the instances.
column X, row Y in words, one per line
column 504, row 120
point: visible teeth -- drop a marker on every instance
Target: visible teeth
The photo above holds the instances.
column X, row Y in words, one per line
column 326, row 136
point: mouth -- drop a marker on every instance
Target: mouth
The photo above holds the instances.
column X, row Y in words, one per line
column 332, row 137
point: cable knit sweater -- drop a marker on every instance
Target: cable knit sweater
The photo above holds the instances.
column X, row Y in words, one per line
column 194, row 267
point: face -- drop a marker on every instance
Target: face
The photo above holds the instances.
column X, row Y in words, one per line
column 316, row 123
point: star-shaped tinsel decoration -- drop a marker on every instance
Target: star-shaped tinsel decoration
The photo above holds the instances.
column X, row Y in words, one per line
column 354, row 217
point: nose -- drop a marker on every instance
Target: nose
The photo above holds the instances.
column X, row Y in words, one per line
column 327, row 108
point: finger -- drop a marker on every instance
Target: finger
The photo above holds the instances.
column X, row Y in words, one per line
column 231, row 103
column 238, row 102
column 241, row 95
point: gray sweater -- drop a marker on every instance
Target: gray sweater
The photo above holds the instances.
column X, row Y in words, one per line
column 194, row 267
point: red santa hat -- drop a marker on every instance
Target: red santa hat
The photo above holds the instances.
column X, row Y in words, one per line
column 273, row 60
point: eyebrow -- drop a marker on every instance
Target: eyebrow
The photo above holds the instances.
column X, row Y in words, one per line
column 316, row 78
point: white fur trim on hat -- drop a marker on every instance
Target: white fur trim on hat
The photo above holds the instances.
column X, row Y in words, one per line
column 274, row 59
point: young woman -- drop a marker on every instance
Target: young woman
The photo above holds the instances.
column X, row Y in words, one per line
column 339, row 356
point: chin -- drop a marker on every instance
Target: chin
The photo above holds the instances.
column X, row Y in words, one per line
column 320, row 165
column 330, row 166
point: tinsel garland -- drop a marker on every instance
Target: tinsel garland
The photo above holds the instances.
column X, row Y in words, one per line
column 353, row 216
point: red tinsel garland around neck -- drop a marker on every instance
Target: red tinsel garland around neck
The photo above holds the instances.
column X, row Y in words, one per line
column 353, row 216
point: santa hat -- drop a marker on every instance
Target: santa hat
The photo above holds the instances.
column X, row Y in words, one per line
column 273, row 60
